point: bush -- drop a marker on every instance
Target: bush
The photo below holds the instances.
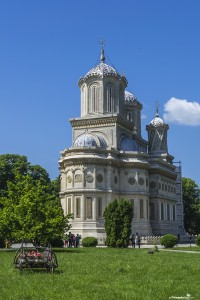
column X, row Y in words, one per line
column 197, row 241
column 168, row 240
column 57, row 243
column 89, row 242
column 2, row 243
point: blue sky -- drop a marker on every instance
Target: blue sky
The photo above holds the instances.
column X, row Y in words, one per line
column 46, row 46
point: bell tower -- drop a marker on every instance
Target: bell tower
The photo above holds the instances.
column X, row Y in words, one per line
column 157, row 135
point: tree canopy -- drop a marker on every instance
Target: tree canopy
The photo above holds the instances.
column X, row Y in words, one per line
column 191, row 203
column 29, row 203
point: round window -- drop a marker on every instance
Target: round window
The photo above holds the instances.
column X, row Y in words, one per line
column 141, row 181
column 99, row 178
column 152, row 185
column 131, row 180
column 89, row 178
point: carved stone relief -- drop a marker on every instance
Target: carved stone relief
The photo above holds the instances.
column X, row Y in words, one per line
column 78, row 178
column 99, row 178
column 69, row 179
column 141, row 181
column 89, row 178
column 131, row 180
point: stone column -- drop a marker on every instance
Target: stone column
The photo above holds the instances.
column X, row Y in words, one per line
column 94, row 208
column 95, row 177
column 82, row 207
column 73, row 178
column 83, row 176
column 145, row 208
column 136, row 178
column 109, row 178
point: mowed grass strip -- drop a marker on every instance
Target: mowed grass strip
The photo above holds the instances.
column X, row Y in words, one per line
column 104, row 273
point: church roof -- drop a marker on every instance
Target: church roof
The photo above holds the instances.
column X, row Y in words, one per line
column 89, row 140
column 157, row 121
column 103, row 69
column 129, row 97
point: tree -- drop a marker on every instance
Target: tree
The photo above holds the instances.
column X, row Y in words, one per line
column 118, row 217
column 29, row 203
column 12, row 165
column 191, row 203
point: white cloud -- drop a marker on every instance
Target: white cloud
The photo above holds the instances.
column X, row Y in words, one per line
column 182, row 112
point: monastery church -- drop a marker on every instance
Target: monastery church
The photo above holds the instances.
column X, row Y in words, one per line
column 110, row 160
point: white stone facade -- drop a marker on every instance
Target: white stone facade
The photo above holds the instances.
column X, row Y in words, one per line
column 110, row 160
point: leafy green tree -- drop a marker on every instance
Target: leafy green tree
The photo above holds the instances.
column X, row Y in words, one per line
column 30, row 207
column 118, row 217
column 12, row 165
column 191, row 203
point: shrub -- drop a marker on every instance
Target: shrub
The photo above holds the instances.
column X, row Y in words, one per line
column 2, row 243
column 168, row 240
column 89, row 242
column 57, row 243
column 197, row 241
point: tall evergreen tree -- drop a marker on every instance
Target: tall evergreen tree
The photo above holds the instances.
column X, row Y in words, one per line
column 118, row 217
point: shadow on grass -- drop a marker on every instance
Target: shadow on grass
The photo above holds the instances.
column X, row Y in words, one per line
column 28, row 271
column 68, row 250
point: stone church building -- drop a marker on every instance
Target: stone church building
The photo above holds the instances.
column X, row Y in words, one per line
column 110, row 160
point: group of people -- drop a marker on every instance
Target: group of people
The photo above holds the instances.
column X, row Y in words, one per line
column 72, row 240
column 135, row 240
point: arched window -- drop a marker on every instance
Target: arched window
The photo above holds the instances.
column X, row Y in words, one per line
column 109, row 98
column 129, row 116
column 93, row 98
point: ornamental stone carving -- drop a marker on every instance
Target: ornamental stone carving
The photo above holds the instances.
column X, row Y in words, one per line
column 99, row 178
column 141, row 181
column 89, row 178
column 69, row 179
column 152, row 185
column 131, row 180
column 78, row 178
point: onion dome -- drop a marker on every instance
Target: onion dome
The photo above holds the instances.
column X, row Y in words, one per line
column 102, row 70
column 157, row 121
column 89, row 140
column 129, row 97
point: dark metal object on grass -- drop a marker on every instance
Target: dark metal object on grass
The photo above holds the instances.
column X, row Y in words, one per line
column 35, row 257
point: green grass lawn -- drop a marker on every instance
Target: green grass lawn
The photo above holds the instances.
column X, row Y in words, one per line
column 104, row 273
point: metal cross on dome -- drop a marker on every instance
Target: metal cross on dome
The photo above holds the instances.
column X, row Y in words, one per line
column 157, row 105
column 102, row 43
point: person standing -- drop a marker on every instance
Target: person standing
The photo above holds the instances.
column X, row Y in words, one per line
column 133, row 240
column 77, row 240
column 137, row 239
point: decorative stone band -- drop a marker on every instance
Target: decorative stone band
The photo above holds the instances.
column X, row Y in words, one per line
column 110, row 120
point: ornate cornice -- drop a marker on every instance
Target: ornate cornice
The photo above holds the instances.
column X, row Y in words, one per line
column 101, row 121
column 103, row 191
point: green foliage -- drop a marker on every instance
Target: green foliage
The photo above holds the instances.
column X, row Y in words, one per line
column 168, row 240
column 56, row 242
column 118, row 217
column 89, row 242
column 191, row 202
column 197, row 241
column 29, row 204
